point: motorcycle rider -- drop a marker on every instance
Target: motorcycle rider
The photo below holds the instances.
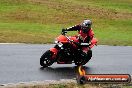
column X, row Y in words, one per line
column 85, row 35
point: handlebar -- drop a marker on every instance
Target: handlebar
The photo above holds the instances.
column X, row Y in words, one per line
column 72, row 41
column 64, row 33
column 76, row 43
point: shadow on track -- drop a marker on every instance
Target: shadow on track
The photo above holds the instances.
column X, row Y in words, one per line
column 62, row 72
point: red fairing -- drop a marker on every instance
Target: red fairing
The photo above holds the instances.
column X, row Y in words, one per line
column 54, row 50
column 62, row 38
column 74, row 38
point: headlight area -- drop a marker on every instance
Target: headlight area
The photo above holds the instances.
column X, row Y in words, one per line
column 58, row 43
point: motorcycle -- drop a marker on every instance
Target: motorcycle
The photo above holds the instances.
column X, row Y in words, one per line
column 68, row 50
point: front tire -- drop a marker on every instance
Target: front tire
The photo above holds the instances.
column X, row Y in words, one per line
column 46, row 59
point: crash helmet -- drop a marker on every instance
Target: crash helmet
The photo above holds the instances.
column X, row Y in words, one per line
column 86, row 25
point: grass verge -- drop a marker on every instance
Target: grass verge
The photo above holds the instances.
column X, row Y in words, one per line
column 64, row 84
column 40, row 21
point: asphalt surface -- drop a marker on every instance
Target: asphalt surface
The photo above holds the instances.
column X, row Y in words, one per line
column 20, row 63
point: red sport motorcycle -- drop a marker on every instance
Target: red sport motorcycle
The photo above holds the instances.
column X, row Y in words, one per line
column 68, row 50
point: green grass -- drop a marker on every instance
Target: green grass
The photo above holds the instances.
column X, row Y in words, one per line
column 28, row 32
column 40, row 21
column 114, row 33
column 117, row 5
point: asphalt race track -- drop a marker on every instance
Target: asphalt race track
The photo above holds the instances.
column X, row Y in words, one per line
column 20, row 63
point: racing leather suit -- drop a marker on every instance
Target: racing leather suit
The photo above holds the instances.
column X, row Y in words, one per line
column 84, row 38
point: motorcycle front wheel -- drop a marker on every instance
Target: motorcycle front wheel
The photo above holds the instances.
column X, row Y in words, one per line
column 45, row 59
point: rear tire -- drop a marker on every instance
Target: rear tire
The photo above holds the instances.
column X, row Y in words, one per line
column 78, row 63
column 83, row 60
column 45, row 59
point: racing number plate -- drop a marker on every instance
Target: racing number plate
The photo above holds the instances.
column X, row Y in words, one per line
column 85, row 44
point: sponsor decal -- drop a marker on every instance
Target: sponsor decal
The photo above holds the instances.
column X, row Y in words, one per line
column 82, row 77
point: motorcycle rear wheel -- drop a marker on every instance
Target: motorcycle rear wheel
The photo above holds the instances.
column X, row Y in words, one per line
column 45, row 59
column 83, row 61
